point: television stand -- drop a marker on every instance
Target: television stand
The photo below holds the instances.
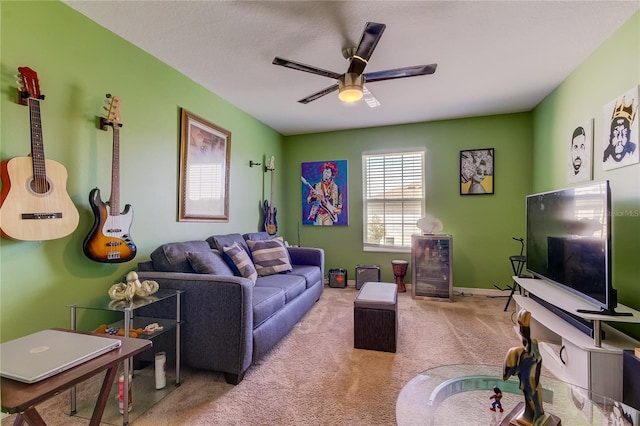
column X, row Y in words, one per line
column 608, row 312
column 593, row 363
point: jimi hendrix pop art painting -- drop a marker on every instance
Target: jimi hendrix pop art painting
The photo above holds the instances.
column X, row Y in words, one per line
column 324, row 193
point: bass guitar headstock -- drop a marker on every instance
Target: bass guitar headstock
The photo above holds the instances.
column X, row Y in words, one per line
column 272, row 164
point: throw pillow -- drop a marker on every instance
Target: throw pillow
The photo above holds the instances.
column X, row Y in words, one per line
column 171, row 257
column 209, row 262
column 270, row 256
column 241, row 259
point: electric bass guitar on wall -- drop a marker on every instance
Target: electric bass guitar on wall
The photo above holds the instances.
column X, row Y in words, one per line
column 270, row 224
column 109, row 240
column 35, row 205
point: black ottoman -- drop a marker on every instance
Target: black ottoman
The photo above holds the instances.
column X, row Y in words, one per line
column 375, row 317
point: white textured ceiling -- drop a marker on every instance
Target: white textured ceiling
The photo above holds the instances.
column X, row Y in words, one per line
column 493, row 56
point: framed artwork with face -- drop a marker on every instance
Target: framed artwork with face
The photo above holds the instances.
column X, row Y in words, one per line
column 580, row 148
column 620, row 147
column 477, row 171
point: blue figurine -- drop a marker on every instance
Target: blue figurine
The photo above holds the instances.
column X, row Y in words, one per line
column 497, row 396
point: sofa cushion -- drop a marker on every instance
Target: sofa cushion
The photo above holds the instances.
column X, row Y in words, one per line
column 256, row 236
column 264, row 236
column 266, row 302
column 241, row 259
column 172, row 257
column 269, row 256
column 221, row 241
column 209, row 262
column 292, row 285
column 311, row 273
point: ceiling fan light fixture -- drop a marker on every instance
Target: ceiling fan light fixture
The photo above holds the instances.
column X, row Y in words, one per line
column 350, row 87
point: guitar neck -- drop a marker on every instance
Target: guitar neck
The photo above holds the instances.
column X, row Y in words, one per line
column 114, row 198
column 37, row 144
column 271, row 197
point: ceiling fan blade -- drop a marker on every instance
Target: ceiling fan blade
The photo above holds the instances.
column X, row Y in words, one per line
column 369, row 98
column 307, row 68
column 371, row 77
column 319, row 94
column 370, row 38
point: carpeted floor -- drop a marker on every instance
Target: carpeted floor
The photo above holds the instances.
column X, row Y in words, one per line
column 315, row 376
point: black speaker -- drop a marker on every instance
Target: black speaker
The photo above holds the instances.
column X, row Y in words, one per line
column 338, row 278
column 366, row 273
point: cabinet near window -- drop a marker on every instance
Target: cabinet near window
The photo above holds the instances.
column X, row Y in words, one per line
column 432, row 267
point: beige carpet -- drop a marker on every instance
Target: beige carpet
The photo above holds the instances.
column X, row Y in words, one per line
column 316, row 377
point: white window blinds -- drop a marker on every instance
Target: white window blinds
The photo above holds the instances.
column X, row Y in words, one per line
column 393, row 198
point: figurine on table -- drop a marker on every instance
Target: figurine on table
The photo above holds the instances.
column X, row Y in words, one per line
column 497, row 396
column 525, row 362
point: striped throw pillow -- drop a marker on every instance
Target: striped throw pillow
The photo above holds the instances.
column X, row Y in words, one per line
column 241, row 259
column 270, row 256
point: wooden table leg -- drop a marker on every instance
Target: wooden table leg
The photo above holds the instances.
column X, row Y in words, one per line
column 101, row 403
column 19, row 421
column 31, row 417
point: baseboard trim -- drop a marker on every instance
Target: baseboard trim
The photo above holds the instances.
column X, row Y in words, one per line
column 491, row 292
column 457, row 291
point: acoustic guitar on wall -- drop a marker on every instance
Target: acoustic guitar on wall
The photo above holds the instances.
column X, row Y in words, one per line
column 34, row 203
column 109, row 240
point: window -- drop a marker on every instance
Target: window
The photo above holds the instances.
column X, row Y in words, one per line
column 393, row 198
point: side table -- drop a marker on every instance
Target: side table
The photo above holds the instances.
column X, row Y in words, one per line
column 129, row 322
column 22, row 398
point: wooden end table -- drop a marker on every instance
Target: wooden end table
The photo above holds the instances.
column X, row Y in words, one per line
column 22, row 398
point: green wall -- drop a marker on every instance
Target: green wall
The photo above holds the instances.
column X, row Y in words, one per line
column 609, row 72
column 78, row 62
column 481, row 226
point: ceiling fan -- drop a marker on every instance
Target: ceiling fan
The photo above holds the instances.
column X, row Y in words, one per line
column 350, row 85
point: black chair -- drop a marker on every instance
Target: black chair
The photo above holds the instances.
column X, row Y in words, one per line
column 517, row 265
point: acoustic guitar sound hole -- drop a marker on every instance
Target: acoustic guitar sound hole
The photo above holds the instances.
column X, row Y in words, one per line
column 40, row 186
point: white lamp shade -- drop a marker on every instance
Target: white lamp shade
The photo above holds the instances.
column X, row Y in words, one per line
column 350, row 87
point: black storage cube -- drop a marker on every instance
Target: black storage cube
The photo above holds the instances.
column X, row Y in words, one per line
column 366, row 273
column 338, row 278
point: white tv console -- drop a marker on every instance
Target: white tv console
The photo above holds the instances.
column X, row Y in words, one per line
column 571, row 355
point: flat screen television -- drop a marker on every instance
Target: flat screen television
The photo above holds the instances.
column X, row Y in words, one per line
column 569, row 242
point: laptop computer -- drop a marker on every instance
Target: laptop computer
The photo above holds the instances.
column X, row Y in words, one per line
column 37, row 356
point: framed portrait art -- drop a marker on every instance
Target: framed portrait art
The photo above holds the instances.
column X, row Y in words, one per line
column 622, row 131
column 476, row 171
column 580, row 152
column 205, row 150
column 325, row 198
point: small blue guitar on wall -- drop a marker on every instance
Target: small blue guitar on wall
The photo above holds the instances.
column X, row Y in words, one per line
column 270, row 224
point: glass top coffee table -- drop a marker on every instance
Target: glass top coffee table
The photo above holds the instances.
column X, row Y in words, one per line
column 460, row 394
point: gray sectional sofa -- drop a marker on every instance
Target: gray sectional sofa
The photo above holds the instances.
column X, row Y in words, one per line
column 228, row 321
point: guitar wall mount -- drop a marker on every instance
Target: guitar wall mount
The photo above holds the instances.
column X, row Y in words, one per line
column 23, row 97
